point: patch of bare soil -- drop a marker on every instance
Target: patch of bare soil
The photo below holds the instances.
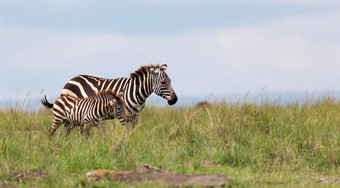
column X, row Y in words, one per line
column 6, row 185
column 330, row 180
column 157, row 175
column 30, row 174
column 146, row 168
column 320, row 181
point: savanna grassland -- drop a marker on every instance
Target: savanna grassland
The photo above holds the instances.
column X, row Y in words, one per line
column 265, row 144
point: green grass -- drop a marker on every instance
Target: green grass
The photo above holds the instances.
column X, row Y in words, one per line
column 254, row 144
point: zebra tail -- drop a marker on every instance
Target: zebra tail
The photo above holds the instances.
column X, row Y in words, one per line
column 46, row 103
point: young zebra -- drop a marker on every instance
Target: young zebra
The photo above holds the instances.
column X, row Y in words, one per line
column 85, row 112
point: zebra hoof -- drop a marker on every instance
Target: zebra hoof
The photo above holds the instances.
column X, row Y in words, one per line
column 51, row 133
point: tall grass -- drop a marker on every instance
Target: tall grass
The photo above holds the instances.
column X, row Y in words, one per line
column 252, row 143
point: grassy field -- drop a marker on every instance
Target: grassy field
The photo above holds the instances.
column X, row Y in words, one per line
column 255, row 145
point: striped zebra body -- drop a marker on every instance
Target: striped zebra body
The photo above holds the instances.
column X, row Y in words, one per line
column 85, row 112
column 136, row 89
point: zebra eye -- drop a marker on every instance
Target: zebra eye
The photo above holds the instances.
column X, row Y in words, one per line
column 163, row 82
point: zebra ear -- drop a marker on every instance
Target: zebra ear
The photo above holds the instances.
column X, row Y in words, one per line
column 163, row 67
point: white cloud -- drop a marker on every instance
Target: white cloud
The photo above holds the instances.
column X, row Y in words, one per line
column 293, row 53
column 300, row 53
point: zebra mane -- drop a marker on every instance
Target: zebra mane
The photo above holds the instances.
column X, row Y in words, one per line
column 142, row 70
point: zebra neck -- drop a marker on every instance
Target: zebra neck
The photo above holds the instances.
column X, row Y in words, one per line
column 137, row 91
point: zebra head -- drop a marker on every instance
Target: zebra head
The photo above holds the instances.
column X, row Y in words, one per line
column 162, row 84
column 117, row 107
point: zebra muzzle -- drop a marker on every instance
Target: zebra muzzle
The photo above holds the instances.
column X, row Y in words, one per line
column 173, row 99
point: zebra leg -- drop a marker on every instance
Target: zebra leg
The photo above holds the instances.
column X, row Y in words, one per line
column 67, row 127
column 86, row 128
column 101, row 126
column 130, row 121
column 123, row 121
column 82, row 129
column 55, row 125
column 133, row 121
column 71, row 128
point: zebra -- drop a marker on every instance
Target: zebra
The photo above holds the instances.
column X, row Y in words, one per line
column 136, row 89
column 85, row 112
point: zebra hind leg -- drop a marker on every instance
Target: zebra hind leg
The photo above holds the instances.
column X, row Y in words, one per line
column 54, row 127
column 72, row 127
column 67, row 128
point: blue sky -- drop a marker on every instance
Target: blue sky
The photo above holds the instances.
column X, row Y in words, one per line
column 211, row 46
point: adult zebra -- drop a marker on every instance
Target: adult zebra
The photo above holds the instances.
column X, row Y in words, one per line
column 141, row 84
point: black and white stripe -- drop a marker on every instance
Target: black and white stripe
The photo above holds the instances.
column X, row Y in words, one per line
column 136, row 89
column 85, row 112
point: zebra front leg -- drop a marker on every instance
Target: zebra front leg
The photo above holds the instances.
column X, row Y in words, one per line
column 123, row 121
column 101, row 126
column 86, row 128
column 82, row 129
column 130, row 121
column 134, row 121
